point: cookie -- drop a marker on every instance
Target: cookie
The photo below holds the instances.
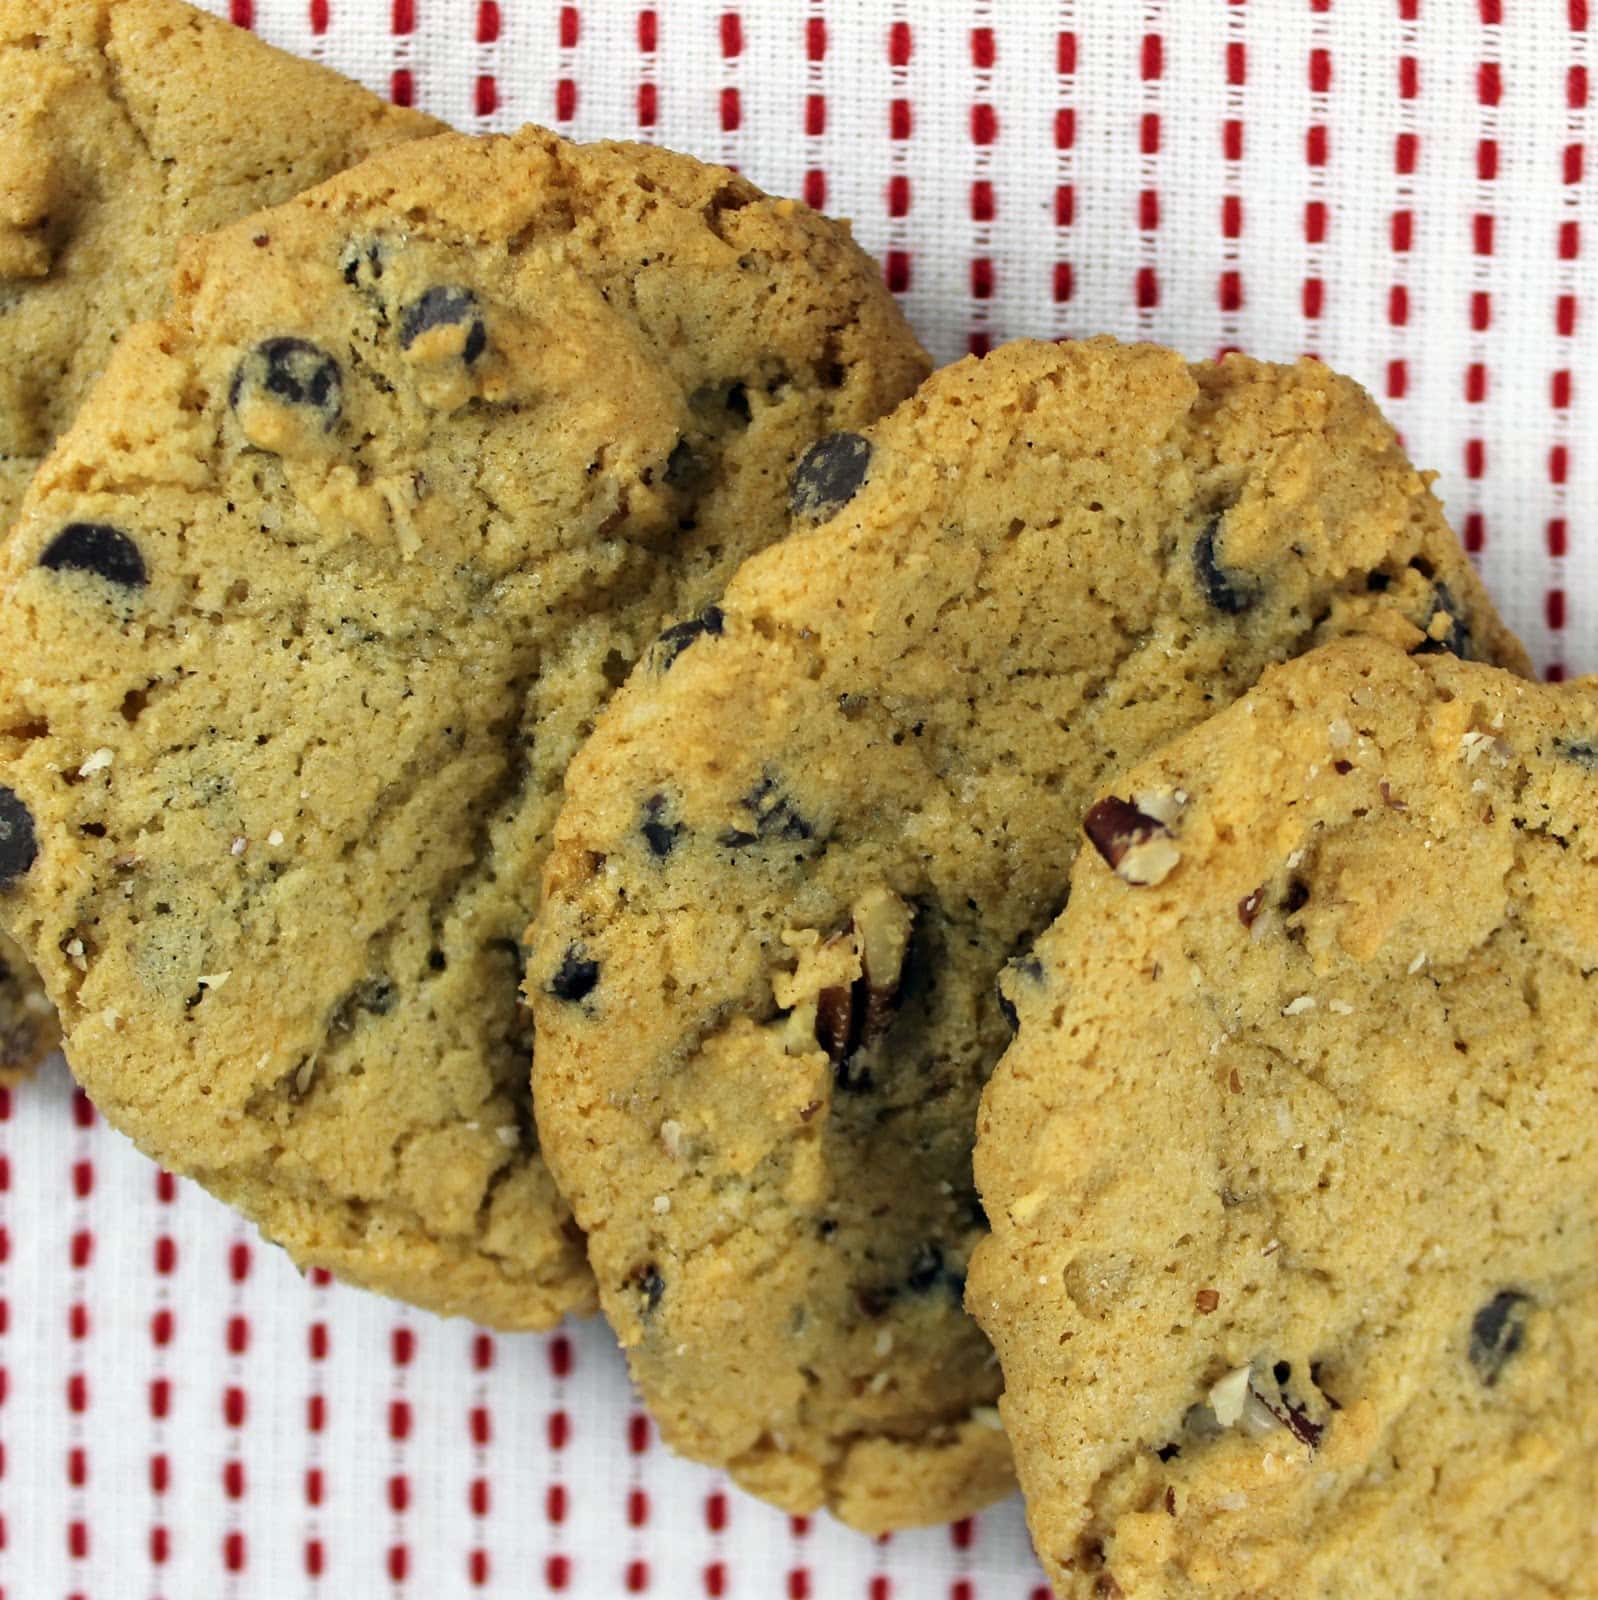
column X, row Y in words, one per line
column 308, row 610
column 1293, row 1165
column 806, row 838
column 125, row 124
column 28, row 1028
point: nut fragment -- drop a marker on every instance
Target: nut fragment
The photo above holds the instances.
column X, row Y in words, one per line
column 1138, row 846
column 854, row 1018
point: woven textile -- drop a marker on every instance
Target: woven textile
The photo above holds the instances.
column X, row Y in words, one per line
column 1399, row 186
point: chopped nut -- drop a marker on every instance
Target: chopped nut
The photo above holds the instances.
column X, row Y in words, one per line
column 988, row 1417
column 1341, row 1007
column 671, row 1136
column 239, row 846
column 1295, row 1008
column 275, row 838
column 661, row 1204
column 1228, row 1395
column 214, row 980
column 854, row 1018
column 1206, row 1300
column 1417, row 963
column 98, row 762
column 1137, row 845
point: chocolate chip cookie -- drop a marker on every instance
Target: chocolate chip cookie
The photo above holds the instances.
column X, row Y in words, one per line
column 1293, row 1165
column 807, row 838
column 307, row 612
column 125, row 124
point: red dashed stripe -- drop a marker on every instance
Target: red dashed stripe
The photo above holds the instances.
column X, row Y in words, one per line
column 1063, row 277
column 569, row 31
column 648, row 108
column 558, row 1433
column 1146, row 216
column 983, row 128
column 897, row 258
column 815, row 106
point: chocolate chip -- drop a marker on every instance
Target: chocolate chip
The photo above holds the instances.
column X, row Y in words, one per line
column 1456, row 640
column 1584, row 752
column 1497, row 1333
column 373, row 995
column 1028, row 968
column 671, row 644
column 294, row 371
column 684, row 468
column 445, row 306
column 1226, row 591
column 577, row 975
column 874, row 1300
column 774, row 814
column 829, row 475
column 96, row 548
column 647, row 1281
column 660, row 835
column 926, row 1268
column 19, row 846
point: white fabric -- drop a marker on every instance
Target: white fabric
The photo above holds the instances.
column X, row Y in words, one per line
column 241, row 1481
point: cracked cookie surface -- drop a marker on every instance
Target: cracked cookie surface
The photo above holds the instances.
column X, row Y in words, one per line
column 125, row 124
column 305, row 615
column 1293, row 1164
column 813, row 828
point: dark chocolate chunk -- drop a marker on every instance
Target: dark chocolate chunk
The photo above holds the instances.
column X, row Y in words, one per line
column 647, row 1281
column 576, row 977
column 445, row 306
column 96, row 548
column 294, row 371
column 659, row 834
column 1008, row 1012
column 1456, row 641
column 926, row 1268
column 684, row 468
column 1028, row 968
column 671, row 644
column 1497, row 1333
column 875, row 1299
column 774, row 816
column 362, row 267
column 373, row 995
column 19, row 845
column 1225, row 590
column 829, row 475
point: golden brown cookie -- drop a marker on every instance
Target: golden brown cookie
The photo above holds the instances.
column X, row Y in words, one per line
column 125, row 124
column 310, row 607
column 1293, row 1165
column 806, row 838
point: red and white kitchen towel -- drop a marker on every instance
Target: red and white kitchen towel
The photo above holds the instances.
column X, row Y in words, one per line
column 1398, row 186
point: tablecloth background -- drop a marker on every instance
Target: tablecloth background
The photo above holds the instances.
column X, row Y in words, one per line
column 1398, row 186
